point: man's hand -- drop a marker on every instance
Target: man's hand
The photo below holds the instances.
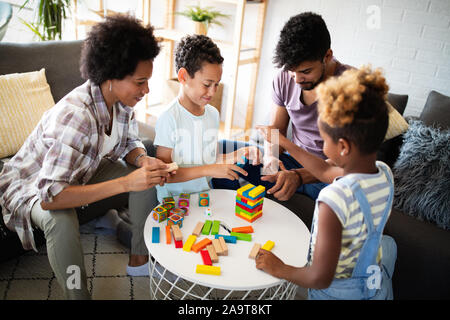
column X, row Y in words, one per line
column 147, row 176
column 252, row 153
column 286, row 183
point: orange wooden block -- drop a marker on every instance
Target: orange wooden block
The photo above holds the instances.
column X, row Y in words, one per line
column 200, row 245
column 168, row 235
column 246, row 229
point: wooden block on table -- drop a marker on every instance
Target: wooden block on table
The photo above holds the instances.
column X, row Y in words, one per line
column 246, row 229
column 254, row 251
column 212, row 253
column 189, row 243
column 228, row 239
column 224, row 246
column 198, row 229
column 177, row 235
column 178, row 243
column 268, row 245
column 242, row 236
column 200, row 245
column 217, row 247
column 213, row 270
column 168, row 235
column 215, row 227
column 155, row 235
column 207, row 227
column 206, row 258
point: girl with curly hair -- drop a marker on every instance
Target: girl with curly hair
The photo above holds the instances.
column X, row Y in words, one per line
column 349, row 256
column 85, row 149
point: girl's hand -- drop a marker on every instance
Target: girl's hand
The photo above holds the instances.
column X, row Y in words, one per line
column 225, row 171
column 252, row 153
column 147, row 176
column 268, row 262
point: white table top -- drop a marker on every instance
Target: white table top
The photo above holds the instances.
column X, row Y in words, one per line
column 238, row 271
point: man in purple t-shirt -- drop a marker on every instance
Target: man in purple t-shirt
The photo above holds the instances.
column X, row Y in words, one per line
column 305, row 59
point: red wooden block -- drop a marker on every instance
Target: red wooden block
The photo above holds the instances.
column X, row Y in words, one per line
column 206, row 258
column 178, row 243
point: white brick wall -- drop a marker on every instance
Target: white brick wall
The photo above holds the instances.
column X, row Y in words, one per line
column 412, row 44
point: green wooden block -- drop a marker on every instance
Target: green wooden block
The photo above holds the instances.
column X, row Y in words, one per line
column 207, row 227
column 242, row 236
column 215, row 227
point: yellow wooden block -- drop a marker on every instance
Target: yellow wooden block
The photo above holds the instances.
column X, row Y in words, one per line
column 256, row 191
column 189, row 242
column 244, row 188
column 213, row 270
column 268, row 245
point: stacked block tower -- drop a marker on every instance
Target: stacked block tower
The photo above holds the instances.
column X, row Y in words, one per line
column 249, row 202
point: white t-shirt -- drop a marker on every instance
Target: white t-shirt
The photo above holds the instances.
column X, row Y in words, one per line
column 110, row 141
column 193, row 140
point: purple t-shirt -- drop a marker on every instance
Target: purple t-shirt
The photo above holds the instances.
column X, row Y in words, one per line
column 305, row 133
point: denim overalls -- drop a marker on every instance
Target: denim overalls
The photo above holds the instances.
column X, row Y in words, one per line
column 361, row 286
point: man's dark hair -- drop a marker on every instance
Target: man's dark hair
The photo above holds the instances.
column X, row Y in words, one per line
column 193, row 51
column 304, row 37
column 114, row 47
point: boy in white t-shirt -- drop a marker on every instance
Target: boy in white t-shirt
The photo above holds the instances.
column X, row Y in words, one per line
column 186, row 133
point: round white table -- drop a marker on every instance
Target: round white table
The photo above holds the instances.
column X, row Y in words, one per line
column 173, row 271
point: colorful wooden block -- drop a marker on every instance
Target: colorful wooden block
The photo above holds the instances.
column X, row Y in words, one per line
column 224, row 246
column 217, row 247
column 212, row 253
column 203, row 199
column 200, row 245
column 257, row 192
column 185, row 211
column 198, row 229
column 189, row 243
column 168, row 206
column 207, row 227
column 268, row 245
column 206, row 258
column 178, row 243
column 246, row 229
column 241, row 190
column 168, row 235
column 215, row 227
column 169, row 200
column 249, row 219
column 177, row 235
column 228, row 239
column 184, row 199
column 242, row 236
column 213, row 270
column 175, row 220
column 254, row 251
column 177, row 211
column 155, row 235
column 159, row 214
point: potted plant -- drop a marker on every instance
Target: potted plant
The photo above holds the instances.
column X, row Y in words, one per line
column 203, row 17
column 50, row 15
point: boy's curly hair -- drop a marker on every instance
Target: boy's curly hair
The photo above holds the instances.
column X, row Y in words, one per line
column 353, row 106
column 304, row 37
column 193, row 50
column 115, row 46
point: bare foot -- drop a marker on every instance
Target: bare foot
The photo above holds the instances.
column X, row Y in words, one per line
column 137, row 260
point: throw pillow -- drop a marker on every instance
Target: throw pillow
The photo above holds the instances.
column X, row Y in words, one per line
column 436, row 111
column 24, row 97
column 397, row 124
column 422, row 174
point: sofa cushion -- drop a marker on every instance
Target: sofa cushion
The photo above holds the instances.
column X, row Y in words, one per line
column 436, row 111
column 422, row 174
column 24, row 97
column 397, row 124
column 398, row 101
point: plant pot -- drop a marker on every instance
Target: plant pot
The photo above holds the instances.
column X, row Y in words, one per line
column 200, row 28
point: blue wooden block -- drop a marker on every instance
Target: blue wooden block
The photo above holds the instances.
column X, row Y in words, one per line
column 228, row 239
column 155, row 235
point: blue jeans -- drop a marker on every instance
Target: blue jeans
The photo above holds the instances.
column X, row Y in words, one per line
column 254, row 172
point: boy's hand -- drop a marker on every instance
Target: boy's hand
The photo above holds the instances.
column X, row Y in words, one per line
column 226, row 171
column 252, row 153
column 268, row 262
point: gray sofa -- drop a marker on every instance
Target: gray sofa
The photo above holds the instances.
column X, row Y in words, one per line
column 61, row 62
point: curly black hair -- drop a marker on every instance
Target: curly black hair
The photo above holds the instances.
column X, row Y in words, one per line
column 115, row 46
column 193, row 50
column 304, row 37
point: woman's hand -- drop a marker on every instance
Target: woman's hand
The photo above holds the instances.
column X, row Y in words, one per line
column 148, row 176
column 225, row 171
column 252, row 153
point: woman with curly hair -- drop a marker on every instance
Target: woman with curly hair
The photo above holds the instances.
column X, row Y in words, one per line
column 85, row 149
column 349, row 256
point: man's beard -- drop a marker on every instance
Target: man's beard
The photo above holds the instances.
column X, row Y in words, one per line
column 311, row 85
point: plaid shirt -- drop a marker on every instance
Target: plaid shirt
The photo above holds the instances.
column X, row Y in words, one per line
column 62, row 150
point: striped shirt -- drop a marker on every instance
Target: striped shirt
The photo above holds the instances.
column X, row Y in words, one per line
column 63, row 149
column 342, row 201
